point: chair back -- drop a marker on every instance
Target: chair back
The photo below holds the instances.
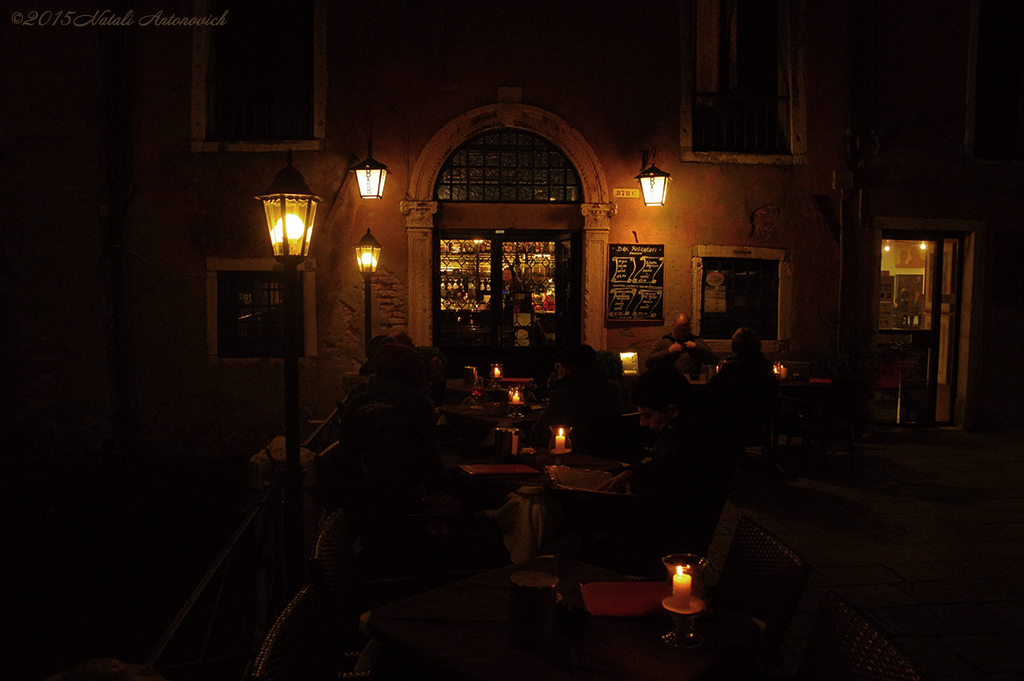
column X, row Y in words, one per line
column 845, row 645
column 298, row 646
column 764, row 578
column 334, row 571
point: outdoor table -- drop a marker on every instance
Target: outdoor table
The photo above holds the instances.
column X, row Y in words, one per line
column 472, row 424
column 460, row 631
column 489, row 491
column 490, row 415
column 456, row 389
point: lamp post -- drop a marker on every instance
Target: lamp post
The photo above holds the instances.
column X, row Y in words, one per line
column 367, row 255
column 290, row 208
column 653, row 181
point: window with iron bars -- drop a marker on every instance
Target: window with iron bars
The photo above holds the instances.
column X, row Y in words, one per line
column 260, row 75
column 250, row 314
column 739, row 103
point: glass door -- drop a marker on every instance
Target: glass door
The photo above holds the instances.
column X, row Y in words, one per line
column 465, row 292
column 514, row 291
column 918, row 312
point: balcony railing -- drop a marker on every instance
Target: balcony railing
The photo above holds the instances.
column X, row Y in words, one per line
column 218, row 629
column 753, row 124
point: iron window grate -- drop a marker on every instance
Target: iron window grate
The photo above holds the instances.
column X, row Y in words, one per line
column 508, row 166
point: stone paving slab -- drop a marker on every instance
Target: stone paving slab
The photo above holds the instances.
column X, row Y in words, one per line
column 925, row 534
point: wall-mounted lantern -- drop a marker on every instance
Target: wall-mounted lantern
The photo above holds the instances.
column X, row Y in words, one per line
column 370, row 175
column 653, row 181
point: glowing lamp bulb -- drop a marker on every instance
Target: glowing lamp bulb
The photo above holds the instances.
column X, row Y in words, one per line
column 293, row 228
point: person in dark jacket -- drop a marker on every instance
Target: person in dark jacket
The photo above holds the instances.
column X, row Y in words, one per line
column 678, row 495
column 389, row 452
column 683, row 350
column 582, row 399
column 743, row 391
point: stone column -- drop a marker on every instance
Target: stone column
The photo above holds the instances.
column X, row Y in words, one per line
column 419, row 231
column 596, row 225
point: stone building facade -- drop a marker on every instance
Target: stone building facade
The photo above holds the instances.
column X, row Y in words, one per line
column 122, row 204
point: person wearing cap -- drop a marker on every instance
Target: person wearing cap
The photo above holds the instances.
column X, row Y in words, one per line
column 582, row 399
column 687, row 352
column 677, row 495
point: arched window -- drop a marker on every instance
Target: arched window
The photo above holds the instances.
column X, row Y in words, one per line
column 508, row 166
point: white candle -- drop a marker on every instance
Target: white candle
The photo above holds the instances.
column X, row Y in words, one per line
column 681, row 585
column 516, row 396
column 560, row 440
column 497, row 372
column 785, row 372
column 682, row 600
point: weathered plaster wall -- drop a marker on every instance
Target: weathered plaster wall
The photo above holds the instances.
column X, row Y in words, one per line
column 433, row 63
column 922, row 172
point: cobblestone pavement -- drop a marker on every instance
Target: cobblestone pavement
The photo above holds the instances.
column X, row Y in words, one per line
column 924, row 532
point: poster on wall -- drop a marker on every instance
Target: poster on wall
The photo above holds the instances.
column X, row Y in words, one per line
column 636, row 282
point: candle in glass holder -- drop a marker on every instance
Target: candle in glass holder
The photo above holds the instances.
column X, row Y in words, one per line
column 560, row 442
column 495, row 371
column 515, row 396
column 686, row 596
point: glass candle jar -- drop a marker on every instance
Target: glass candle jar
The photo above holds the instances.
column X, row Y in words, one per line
column 560, row 443
column 684, row 597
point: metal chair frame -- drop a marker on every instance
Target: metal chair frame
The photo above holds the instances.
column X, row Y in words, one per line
column 765, row 579
column 845, row 645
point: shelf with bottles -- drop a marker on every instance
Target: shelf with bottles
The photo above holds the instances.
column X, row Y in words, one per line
column 467, row 292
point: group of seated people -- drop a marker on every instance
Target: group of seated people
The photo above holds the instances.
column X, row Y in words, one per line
column 388, row 475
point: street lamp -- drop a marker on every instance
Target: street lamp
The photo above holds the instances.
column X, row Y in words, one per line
column 653, row 181
column 367, row 255
column 370, row 175
column 290, row 209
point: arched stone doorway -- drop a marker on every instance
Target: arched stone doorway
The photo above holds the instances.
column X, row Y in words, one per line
column 420, row 208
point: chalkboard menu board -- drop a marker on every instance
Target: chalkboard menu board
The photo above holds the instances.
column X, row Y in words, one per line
column 636, row 279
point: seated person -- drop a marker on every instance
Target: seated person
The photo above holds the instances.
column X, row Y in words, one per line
column 743, row 391
column 678, row 495
column 390, row 454
column 580, row 398
column 688, row 353
column 388, row 476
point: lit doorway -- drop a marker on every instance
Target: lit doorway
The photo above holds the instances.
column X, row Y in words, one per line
column 918, row 327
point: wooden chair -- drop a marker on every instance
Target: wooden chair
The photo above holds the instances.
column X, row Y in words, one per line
column 845, row 645
column 299, row 647
column 764, row 578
